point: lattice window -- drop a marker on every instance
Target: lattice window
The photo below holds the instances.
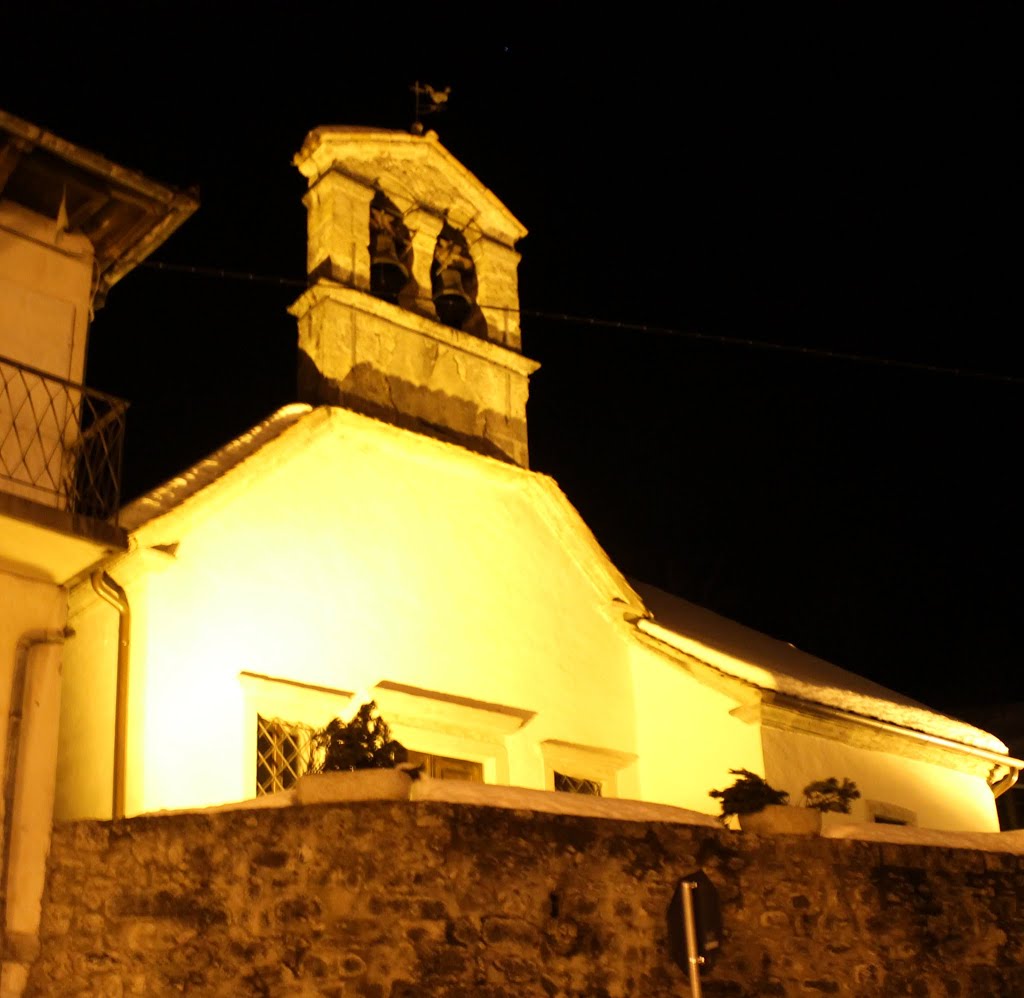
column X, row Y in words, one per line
column 283, row 753
column 577, row 785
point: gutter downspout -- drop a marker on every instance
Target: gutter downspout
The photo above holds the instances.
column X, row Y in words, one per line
column 107, row 589
column 1004, row 783
column 27, row 644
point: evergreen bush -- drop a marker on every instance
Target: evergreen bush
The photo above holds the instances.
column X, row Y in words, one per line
column 365, row 742
column 749, row 793
column 831, row 795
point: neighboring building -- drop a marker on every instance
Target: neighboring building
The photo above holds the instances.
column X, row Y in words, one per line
column 71, row 225
column 385, row 538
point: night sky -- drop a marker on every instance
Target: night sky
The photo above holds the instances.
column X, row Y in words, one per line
column 841, row 184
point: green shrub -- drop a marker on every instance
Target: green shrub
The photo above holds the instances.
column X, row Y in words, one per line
column 365, row 742
column 749, row 793
column 831, row 795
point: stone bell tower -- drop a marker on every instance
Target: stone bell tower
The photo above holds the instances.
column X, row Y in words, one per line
column 412, row 314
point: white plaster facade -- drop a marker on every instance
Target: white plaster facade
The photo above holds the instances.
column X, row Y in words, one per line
column 462, row 593
column 328, row 557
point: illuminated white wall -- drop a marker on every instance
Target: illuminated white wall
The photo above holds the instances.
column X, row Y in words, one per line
column 365, row 554
column 85, row 756
column 348, row 553
column 686, row 738
column 938, row 796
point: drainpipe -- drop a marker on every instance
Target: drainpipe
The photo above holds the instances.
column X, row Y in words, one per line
column 1005, row 782
column 27, row 644
column 106, row 588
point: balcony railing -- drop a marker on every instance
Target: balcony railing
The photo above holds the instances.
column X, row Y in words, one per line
column 60, row 443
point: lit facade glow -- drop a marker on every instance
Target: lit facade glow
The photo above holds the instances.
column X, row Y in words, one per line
column 329, row 552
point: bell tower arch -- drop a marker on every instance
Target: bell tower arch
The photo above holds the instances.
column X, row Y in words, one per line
column 412, row 313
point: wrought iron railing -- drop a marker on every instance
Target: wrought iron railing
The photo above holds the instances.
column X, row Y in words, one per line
column 60, row 442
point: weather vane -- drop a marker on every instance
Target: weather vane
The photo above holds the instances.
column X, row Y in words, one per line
column 427, row 101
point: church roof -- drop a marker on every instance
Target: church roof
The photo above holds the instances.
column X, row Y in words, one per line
column 177, row 490
column 776, row 665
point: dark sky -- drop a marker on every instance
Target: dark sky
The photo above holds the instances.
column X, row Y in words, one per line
column 838, row 182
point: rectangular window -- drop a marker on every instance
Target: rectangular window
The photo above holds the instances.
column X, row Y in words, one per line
column 442, row 767
column 883, row 813
column 577, row 785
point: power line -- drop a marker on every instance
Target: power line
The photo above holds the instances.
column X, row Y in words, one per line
column 634, row 327
column 229, row 275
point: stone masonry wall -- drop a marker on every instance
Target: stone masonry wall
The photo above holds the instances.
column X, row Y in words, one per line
column 394, row 900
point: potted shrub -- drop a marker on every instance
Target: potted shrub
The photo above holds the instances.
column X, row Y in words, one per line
column 831, row 795
column 355, row 760
column 759, row 807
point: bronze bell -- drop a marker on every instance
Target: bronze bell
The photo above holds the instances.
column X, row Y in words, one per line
column 388, row 272
column 451, row 300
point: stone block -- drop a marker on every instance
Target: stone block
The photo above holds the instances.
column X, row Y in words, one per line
column 360, row 785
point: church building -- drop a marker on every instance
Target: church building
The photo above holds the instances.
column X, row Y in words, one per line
column 384, row 538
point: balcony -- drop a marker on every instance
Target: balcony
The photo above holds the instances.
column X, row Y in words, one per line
column 60, row 472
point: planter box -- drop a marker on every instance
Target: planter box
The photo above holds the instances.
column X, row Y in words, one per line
column 360, row 784
column 781, row 819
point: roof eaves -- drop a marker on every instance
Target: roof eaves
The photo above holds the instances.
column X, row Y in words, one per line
column 213, row 470
column 912, row 717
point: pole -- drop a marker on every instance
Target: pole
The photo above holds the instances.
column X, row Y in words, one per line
column 690, row 924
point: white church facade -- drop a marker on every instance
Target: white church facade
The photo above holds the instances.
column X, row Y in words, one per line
column 385, row 539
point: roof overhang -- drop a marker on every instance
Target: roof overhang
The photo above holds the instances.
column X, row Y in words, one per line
column 123, row 214
column 53, row 545
column 786, row 713
column 779, row 710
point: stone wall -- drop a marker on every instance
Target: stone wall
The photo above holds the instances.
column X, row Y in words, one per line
column 392, row 900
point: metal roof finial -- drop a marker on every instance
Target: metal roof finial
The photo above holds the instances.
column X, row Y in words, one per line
column 428, row 100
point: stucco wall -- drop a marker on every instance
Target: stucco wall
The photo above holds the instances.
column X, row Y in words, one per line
column 45, row 297
column 352, row 553
column 44, row 293
column 85, row 754
column 386, row 900
column 356, row 560
column 686, row 739
column 894, row 785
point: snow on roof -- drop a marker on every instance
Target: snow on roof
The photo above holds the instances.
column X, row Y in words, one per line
column 771, row 664
column 176, row 490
